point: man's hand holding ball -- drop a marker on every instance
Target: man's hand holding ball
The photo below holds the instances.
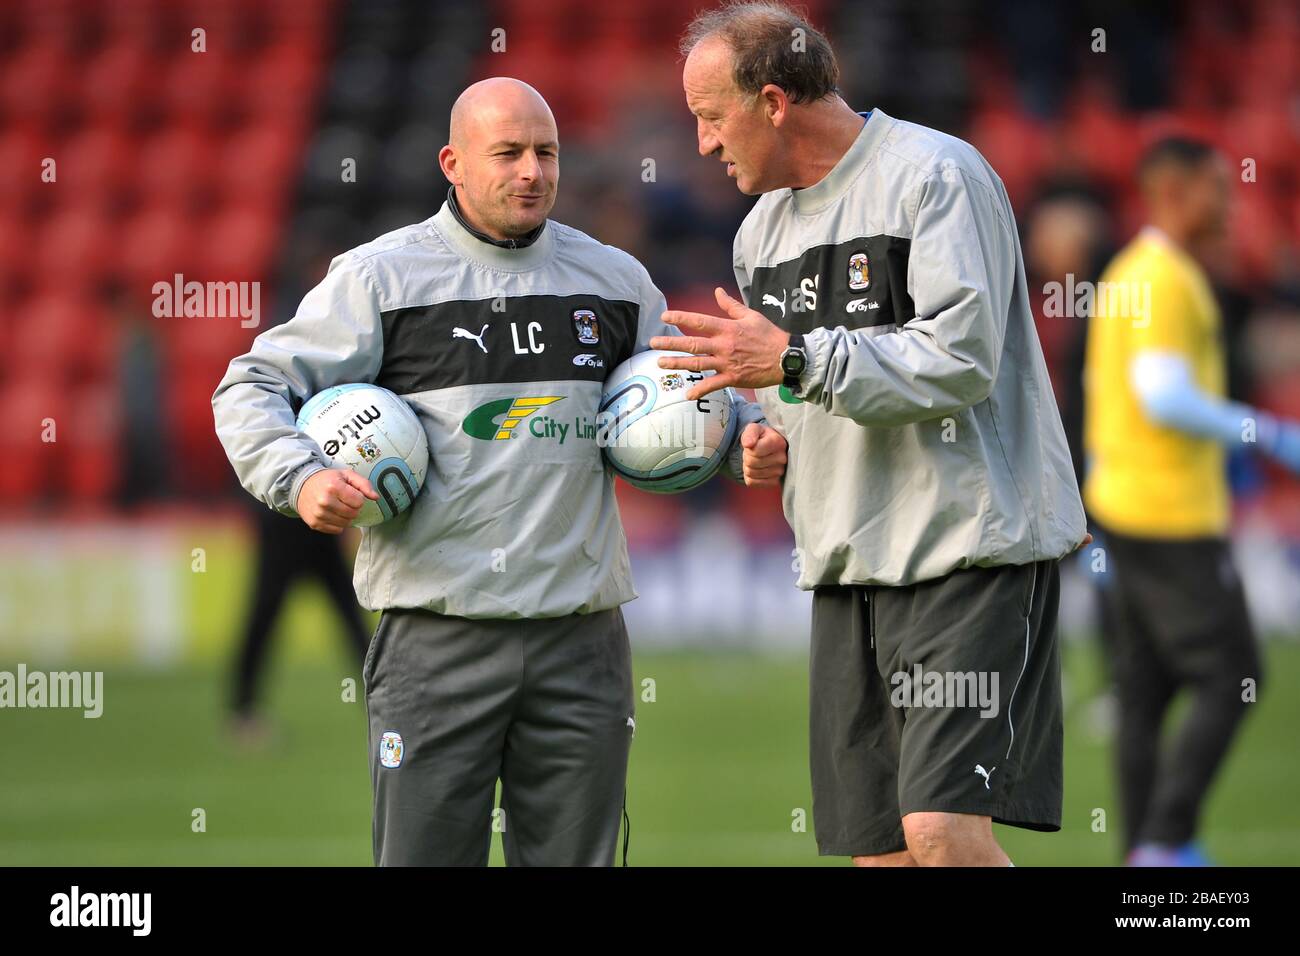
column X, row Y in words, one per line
column 331, row 499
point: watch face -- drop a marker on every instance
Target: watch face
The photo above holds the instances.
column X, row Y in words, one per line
column 793, row 362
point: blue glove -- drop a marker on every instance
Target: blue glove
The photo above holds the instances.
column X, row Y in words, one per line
column 1280, row 440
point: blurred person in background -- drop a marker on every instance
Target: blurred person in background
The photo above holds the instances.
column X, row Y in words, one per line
column 890, row 339
column 288, row 551
column 145, row 454
column 1065, row 246
column 1156, row 428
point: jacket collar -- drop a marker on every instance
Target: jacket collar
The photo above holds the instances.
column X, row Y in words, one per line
column 521, row 255
column 520, row 243
column 833, row 185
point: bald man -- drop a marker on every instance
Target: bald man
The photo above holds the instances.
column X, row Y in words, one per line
column 501, row 652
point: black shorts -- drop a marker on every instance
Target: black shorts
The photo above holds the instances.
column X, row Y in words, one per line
column 1178, row 612
column 1178, row 618
column 938, row 696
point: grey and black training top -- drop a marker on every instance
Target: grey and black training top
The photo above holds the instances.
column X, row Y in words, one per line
column 502, row 353
column 927, row 438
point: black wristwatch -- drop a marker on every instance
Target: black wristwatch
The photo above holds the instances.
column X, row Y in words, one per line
column 793, row 362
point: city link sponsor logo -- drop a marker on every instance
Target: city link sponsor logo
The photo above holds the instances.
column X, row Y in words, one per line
column 71, row 689
column 507, row 418
column 75, row 908
column 923, row 688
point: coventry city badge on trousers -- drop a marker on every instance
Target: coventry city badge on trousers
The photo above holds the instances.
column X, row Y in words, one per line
column 390, row 749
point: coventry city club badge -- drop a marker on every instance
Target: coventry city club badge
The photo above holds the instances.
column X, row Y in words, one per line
column 859, row 272
column 368, row 450
column 390, row 749
column 586, row 326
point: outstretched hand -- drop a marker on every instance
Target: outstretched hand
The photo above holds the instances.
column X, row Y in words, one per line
column 741, row 346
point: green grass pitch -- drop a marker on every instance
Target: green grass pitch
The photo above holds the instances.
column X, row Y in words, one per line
column 718, row 771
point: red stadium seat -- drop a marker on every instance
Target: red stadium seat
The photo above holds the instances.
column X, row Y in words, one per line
column 1273, row 56
column 178, row 166
column 156, row 244
column 90, row 471
column 74, row 250
column 45, row 332
column 98, row 162
column 14, row 246
column 280, row 84
column 22, row 153
column 239, row 243
column 201, row 86
column 258, row 164
column 306, row 24
column 33, row 405
column 524, row 28
column 62, row 336
column 36, row 84
column 116, row 81
column 1267, row 137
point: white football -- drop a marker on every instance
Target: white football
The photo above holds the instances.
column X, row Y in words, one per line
column 652, row 436
column 373, row 432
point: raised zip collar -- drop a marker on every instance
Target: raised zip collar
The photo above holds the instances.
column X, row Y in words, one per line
column 521, row 243
column 536, row 250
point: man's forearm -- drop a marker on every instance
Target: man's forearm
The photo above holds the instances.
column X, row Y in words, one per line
column 893, row 379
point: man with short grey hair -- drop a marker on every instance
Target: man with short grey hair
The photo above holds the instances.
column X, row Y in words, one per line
column 887, row 328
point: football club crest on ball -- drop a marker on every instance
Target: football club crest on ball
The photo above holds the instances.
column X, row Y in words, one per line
column 859, row 272
column 670, row 382
column 368, row 450
column 586, row 326
column 390, row 749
